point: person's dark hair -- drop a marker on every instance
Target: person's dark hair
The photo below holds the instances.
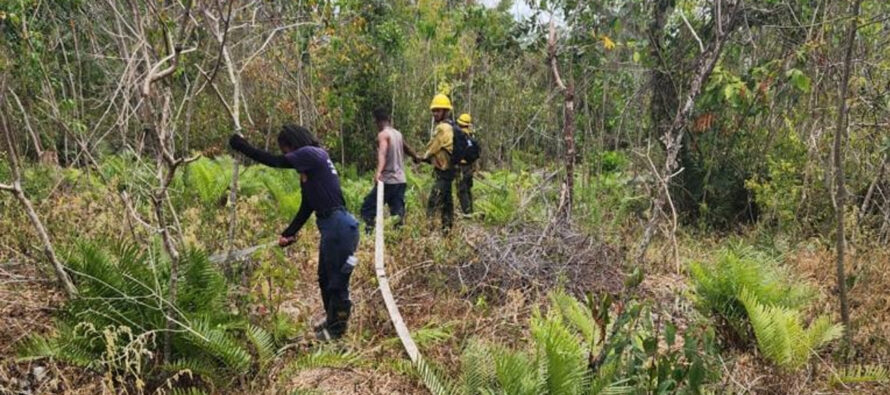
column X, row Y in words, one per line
column 381, row 115
column 296, row 137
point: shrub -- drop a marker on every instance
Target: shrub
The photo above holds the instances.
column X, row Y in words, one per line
column 208, row 179
column 748, row 292
column 781, row 336
column 284, row 188
column 118, row 322
column 497, row 196
column 613, row 161
column 718, row 285
column 563, row 355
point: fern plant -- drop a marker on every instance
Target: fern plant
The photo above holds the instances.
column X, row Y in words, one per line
column 497, row 197
column 781, row 337
column 208, row 179
column 565, row 342
column 717, row 286
column 122, row 310
column 284, row 188
column 860, row 374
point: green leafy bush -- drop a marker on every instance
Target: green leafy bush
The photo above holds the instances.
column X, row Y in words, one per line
column 781, row 336
column 568, row 354
column 284, row 188
column 718, row 285
column 209, row 179
column 497, row 195
column 608, row 200
column 748, row 292
column 613, row 161
column 118, row 322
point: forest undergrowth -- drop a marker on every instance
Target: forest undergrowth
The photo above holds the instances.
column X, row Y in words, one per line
column 557, row 299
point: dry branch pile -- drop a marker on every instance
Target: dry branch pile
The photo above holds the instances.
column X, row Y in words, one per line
column 530, row 258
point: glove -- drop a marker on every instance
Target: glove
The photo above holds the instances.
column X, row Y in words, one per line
column 237, row 142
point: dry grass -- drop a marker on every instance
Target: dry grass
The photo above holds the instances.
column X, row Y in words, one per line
column 477, row 283
column 26, row 305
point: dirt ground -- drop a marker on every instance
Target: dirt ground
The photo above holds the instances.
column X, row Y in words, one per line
column 27, row 303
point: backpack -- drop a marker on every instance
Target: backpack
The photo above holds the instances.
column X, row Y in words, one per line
column 463, row 147
column 473, row 150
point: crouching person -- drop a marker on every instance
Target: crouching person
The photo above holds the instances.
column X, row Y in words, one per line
column 321, row 194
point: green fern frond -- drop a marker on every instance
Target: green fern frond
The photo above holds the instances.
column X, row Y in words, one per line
column 202, row 287
column 208, row 179
column 822, row 331
column 561, row 356
column 578, row 315
column 72, row 344
column 516, row 373
column 860, row 374
column 262, row 342
column 197, row 366
column 435, row 382
column 477, row 371
column 215, row 341
column 325, row 357
column 430, row 334
column 37, row 347
column 717, row 285
column 781, row 337
column 603, row 379
column 283, row 188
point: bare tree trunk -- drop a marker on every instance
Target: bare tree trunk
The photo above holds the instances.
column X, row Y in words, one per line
column 839, row 135
column 568, row 127
column 16, row 189
column 871, row 188
column 673, row 136
column 38, row 148
column 664, row 94
column 156, row 116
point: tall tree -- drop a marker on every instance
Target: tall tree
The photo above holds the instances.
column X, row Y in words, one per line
column 724, row 24
column 839, row 146
column 16, row 189
column 568, row 127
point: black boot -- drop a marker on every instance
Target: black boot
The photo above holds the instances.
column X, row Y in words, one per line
column 338, row 320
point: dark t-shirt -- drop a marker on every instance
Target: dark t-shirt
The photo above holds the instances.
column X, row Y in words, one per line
column 319, row 186
column 319, row 183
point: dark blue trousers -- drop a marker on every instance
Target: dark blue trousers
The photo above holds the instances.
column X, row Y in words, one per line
column 339, row 240
column 393, row 196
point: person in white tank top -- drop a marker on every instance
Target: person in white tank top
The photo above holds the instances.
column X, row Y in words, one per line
column 391, row 151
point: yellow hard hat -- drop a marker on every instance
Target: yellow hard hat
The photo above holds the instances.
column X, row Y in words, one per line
column 464, row 119
column 440, row 101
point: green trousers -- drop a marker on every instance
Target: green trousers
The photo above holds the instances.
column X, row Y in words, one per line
column 440, row 197
column 465, row 187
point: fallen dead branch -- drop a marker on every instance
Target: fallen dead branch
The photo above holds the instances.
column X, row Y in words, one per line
column 534, row 259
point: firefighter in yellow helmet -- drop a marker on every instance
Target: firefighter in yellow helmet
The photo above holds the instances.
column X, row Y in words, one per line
column 438, row 153
column 466, row 168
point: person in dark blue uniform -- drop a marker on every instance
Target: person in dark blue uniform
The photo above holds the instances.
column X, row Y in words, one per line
column 321, row 194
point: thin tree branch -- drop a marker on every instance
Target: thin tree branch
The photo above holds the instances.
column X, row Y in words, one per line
column 701, row 47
